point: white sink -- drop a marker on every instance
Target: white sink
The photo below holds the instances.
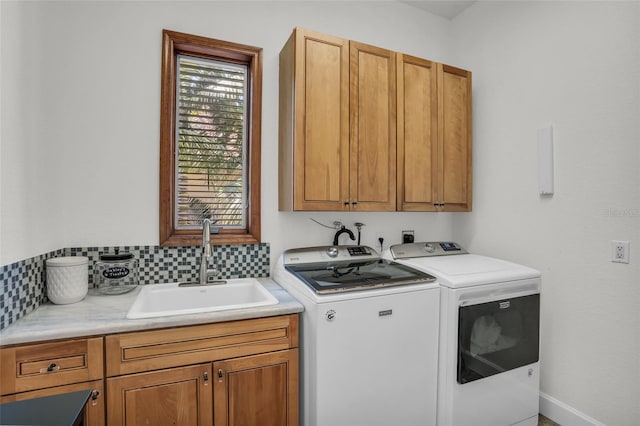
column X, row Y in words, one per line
column 160, row 300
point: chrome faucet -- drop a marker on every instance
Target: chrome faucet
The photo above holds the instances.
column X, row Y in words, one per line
column 205, row 272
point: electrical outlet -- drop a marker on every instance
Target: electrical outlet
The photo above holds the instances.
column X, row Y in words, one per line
column 407, row 236
column 620, row 251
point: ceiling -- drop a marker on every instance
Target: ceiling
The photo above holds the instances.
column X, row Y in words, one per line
column 447, row 9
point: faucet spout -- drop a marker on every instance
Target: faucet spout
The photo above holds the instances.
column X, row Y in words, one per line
column 206, row 237
column 342, row 230
column 207, row 254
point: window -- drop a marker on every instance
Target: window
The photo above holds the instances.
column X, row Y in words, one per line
column 209, row 140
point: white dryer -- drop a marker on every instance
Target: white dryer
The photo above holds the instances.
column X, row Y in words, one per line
column 489, row 335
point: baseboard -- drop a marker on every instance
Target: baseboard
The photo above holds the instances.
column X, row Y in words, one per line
column 563, row 414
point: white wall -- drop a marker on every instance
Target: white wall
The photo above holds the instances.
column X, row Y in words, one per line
column 81, row 93
column 575, row 65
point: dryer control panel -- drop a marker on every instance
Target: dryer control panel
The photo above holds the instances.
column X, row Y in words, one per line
column 426, row 249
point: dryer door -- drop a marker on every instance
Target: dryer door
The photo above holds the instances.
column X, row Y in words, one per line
column 497, row 336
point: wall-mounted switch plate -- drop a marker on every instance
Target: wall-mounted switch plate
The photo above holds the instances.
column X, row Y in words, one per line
column 620, row 251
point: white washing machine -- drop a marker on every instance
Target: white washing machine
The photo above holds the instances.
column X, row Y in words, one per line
column 369, row 352
column 489, row 335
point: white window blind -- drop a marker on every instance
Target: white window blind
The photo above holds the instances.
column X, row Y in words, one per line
column 211, row 114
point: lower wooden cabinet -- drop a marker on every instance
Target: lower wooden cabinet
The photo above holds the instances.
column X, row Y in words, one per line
column 259, row 390
column 53, row 368
column 94, row 411
column 223, row 374
column 177, row 396
column 232, row 373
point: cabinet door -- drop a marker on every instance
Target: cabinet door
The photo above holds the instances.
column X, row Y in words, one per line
column 314, row 132
column 373, row 128
column 94, row 411
column 259, row 390
column 454, row 138
column 417, row 134
column 178, row 396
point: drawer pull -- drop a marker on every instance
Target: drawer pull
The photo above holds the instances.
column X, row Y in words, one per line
column 50, row 369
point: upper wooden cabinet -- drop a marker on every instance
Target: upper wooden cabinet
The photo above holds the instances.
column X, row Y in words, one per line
column 314, row 122
column 417, row 134
column 454, row 138
column 372, row 128
column 434, row 136
column 337, row 125
column 365, row 128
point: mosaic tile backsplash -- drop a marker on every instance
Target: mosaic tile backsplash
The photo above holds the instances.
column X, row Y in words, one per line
column 24, row 283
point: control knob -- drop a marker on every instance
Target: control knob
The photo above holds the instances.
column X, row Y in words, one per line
column 429, row 248
column 332, row 251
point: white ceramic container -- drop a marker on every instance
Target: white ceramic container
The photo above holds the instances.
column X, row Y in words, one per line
column 67, row 279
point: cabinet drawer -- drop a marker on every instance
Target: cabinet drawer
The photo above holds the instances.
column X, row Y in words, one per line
column 157, row 349
column 45, row 365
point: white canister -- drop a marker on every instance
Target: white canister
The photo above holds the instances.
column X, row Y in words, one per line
column 67, row 279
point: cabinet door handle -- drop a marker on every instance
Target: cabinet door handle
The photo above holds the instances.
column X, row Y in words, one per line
column 94, row 397
column 220, row 375
column 205, row 376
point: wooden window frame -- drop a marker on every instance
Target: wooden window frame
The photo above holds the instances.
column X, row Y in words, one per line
column 174, row 43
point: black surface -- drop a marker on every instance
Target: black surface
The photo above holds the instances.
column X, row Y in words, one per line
column 66, row 409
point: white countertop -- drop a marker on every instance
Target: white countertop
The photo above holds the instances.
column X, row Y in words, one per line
column 99, row 314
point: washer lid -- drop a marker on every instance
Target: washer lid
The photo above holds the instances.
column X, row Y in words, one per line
column 467, row 270
column 344, row 276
